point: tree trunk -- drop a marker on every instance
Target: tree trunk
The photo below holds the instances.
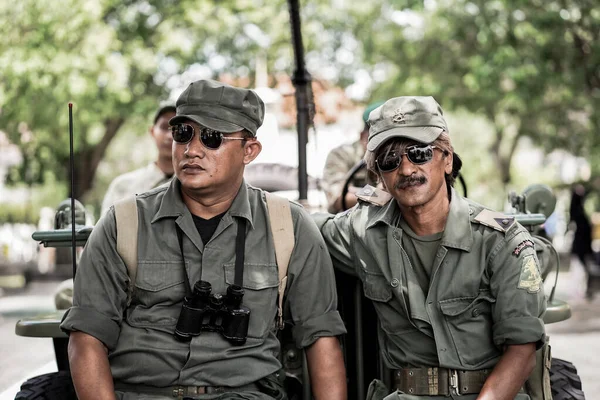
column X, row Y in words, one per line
column 503, row 161
column 88, row 159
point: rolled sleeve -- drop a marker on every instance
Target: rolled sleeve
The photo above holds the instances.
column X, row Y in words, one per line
column 328, row 324
column 100, row 287
column 519, row 330
column 311, row 297
column 519, row 307
column 93, row 323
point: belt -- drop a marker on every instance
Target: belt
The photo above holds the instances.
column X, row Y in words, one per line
column 439, row 381
column 178, row 392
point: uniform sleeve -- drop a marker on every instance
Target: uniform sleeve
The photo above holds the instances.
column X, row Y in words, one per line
column 100, row 288
column 334, row 175
column 337, row 234
column 113, row 193
column 311, row 299
column 517, row 285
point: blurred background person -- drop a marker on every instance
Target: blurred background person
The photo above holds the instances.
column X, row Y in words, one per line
column 339, row 162
column 582, row 239
column 154, row 174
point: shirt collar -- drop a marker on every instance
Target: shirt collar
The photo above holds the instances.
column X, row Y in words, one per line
column 172, row 205
column 457, row 233
column 387, row 214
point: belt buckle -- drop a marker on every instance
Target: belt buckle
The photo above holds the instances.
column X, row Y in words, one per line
column 454, row 384
column 182, row 392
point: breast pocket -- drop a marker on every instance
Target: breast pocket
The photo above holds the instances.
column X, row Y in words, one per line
column 376, row 287
column 159, row 291
column 469, row 321
column 260, row 294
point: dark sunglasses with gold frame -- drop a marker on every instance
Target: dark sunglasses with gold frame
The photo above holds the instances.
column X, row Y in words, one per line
column 211, row 139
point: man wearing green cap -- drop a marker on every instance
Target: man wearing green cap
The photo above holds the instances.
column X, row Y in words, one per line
column 456, row 287
column 339, row 162
column 206, row 238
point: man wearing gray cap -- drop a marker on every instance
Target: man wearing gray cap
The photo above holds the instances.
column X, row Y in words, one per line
column 456, row 287
column 202, row 319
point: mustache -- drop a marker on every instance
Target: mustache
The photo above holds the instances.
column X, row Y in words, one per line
column 406, row 181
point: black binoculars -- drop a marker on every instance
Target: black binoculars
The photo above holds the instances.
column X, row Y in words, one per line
column 203, row 311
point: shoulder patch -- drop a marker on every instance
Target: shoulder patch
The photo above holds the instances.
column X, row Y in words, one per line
column 530, row 278
column 373, row 195
column 522, row 246
column 495, row 220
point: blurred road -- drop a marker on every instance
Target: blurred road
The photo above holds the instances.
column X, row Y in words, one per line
column 576, row 340
column 24, row 357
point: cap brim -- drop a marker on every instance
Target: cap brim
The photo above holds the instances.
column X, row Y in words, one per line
column 212, row 123
column 422, row 134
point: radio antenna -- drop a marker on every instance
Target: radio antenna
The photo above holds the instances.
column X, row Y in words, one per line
column 72, row 166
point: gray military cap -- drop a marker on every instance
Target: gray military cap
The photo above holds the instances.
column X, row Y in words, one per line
column 220, row 107
column 418, row 118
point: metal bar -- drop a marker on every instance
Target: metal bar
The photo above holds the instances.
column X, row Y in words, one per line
column 306, row 389
column 60, row 350
column 301, row 80
column 360, row 359
column 72, row 162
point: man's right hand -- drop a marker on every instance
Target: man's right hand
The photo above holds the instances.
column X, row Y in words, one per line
column 90, row 370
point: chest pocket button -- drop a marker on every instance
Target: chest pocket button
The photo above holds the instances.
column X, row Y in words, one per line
column 395, row 282
column 476, row 312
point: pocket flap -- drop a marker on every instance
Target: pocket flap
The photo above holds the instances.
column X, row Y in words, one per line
column 459, row 305
column 256, row 276
column 377, row 288
column 154, row 276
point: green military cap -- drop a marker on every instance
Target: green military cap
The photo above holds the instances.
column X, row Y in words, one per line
column 220, row 107
column 370, row 108
column 418, row 118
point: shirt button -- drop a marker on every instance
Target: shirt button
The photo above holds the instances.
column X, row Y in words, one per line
column 476, row 312
column 395, row 282
column 396, row 235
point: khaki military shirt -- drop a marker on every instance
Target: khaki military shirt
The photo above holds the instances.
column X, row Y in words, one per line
column 134, row 182
column 338, row 163
column 485, row 290
column 142, row 349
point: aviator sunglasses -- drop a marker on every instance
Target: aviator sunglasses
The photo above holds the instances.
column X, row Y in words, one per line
column 417, row 154
column 211, row 139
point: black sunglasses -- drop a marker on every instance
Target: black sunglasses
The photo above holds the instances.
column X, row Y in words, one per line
column 211, row 139
column 418, row 154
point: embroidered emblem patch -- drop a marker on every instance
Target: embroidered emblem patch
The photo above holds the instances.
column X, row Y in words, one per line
column 398, row 117
column 522, row 246
column 530, row 278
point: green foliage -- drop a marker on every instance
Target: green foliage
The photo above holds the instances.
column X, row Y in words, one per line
column 531, row 67
column 18, row 213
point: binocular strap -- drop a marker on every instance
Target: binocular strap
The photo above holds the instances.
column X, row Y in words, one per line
column 240, row 244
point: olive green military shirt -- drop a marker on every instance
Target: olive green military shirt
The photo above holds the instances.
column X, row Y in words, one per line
column 338, row 163
column 139, row 181
column 485, row 290
column 142, row 349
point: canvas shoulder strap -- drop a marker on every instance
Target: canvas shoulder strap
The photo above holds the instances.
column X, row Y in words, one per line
column 282, row 229
column 126, row 217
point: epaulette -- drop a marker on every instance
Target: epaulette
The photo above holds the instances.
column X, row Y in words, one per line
column 495, row 220
column 373, row 195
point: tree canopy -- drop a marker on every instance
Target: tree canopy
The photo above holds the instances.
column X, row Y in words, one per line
column 532, row 68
